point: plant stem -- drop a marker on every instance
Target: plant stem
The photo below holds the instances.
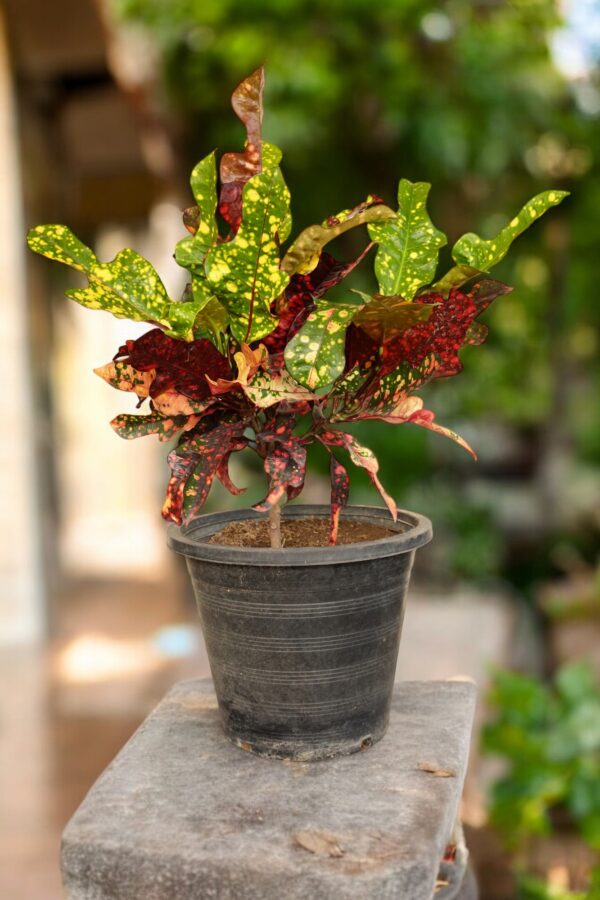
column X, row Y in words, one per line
column 275, row 526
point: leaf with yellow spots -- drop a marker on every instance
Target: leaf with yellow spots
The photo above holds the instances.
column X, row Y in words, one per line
column 316, row 354
column 244, row 273
column 408, row 245
column 191, row 251
column 303, row 255
column 128, row 287
column 384, row 318
column 471, row 250
column 266, row 389
column 131, row 427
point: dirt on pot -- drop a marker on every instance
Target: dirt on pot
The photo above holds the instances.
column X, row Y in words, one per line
column 311, row 532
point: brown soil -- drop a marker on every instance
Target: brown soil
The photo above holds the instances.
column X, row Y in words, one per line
column 297, row 533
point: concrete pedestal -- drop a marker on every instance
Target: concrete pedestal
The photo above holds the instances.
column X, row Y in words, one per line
column 181, row 814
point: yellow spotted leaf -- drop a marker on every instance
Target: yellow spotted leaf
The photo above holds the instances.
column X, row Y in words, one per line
column 315, row 356
column 408, row 244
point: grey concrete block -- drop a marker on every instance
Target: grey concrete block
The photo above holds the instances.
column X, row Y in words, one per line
column 183, row 814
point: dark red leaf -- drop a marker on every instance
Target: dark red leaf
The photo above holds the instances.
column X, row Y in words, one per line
column 223, row 468
column 181, row 366
column 237, row 168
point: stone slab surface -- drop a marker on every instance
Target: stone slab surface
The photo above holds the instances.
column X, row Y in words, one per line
column 181, row 813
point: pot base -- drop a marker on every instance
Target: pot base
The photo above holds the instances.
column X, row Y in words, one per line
column 299, row 748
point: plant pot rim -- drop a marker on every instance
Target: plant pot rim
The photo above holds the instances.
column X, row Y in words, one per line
column 412, row 531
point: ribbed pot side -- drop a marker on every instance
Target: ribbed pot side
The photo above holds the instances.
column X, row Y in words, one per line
column 303, row 642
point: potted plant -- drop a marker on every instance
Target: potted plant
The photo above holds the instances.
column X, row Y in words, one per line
column 302, row 617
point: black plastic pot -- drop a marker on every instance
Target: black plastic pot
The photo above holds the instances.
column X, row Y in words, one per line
column 303, row 642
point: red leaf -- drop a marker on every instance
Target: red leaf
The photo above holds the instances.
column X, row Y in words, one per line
column 237, row 168
column 340, row 489
column 446, row 331
column 181, row 366
column 360, row 456
column 194, row 464
column 223, row 468
column 285, row 462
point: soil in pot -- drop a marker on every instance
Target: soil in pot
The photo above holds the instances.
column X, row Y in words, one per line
column 311, row 532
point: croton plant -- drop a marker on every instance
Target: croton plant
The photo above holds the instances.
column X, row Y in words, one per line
column 256, row 355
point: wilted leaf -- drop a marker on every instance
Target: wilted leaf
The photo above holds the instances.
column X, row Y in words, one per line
column 471, row 250
column 304, row 253
column 436, row 770
column 408, row 244
column 316, row 354
column 244, row 272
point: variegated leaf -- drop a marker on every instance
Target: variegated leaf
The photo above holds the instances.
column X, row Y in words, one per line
column 315, row 356
column 304, row 253
column 128, row 287
column 237, row 168
column 409, row 409
column 130, row 426
column 194, row 464
column 408, row 245
column 285, row 462
column 360, row 456
column 384, row 318
column 172, row 403
column 340, row 490
column 266, row 389
column 191, row 251
column 471, row 250
column 124, row 377
column 244, row 272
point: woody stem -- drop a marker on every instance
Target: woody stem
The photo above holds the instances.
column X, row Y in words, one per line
column 275, row 526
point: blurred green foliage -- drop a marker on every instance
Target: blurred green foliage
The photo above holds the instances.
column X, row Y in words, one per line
column 549, row 737
column 465, row 95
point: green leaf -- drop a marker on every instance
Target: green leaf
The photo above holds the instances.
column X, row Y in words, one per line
column 384, row 318
column 472, row 250
column 244, row 273
column 408, row 245
column 128, row 287
column 315, row 356
column 191, row 251
column 130, row 426
column 211, row 322
column 303, row 255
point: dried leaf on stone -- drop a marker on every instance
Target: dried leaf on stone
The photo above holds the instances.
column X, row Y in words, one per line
column 321, row 843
